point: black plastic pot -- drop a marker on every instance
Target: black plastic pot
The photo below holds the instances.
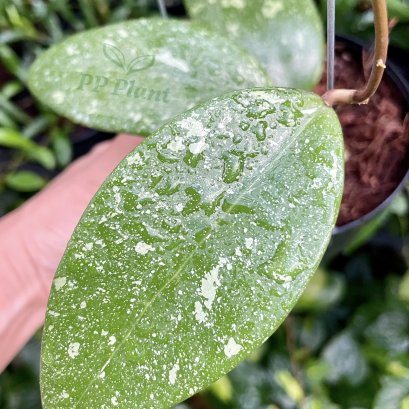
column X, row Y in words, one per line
column 349, row 236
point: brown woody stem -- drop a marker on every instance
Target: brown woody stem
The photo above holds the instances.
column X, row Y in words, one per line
column 362, row 96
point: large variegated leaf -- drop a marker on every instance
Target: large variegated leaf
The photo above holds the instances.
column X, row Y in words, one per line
column 193, row 251
column 136, row 75
column 285, row 35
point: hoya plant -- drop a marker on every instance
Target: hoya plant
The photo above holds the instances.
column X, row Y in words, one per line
column 200, row 242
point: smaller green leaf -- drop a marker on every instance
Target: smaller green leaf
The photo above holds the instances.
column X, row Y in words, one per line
column 394, row 393
column 404, row 288
column 136, row 75
column 11, row 61
column 88, row 10
column 6, row 121
column 345, row 360
column 396, row 368
column 316, row 371
column 323, row 291
column 38, row 126
column 11, row 138
column 315, row 402
column 290, row 385
column 286, row 36
column 11, row 36
column 389, row 331
column 62, row 148
column 43, row 156
column 20, row 22
column 11, row 88
column 14, row 110
column 399, row 9
column 223, row 389
column 25, row 181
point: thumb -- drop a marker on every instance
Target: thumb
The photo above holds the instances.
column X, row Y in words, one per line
column 51, row 216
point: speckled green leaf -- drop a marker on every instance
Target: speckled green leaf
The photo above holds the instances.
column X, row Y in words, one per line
column 285, row 35
column 135, row 76
column 193, row 251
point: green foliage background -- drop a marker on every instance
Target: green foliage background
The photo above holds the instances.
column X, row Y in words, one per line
column 346, row 345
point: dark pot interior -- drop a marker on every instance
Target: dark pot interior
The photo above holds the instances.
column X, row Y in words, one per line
column 377, row 144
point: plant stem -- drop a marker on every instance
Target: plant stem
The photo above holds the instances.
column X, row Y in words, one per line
column 362, row 96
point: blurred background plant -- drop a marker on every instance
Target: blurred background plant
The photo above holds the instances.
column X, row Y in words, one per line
column 346, row 345
column 355, row 17
column 38, row 142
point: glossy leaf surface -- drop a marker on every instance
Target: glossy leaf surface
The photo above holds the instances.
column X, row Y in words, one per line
column 193, row 251
column 136, row 75
column 24, row 181
column 285, row 35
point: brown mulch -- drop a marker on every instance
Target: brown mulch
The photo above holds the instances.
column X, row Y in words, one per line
column 377, row 146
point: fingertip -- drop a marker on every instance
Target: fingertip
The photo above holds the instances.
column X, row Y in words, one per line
column 128, row 140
